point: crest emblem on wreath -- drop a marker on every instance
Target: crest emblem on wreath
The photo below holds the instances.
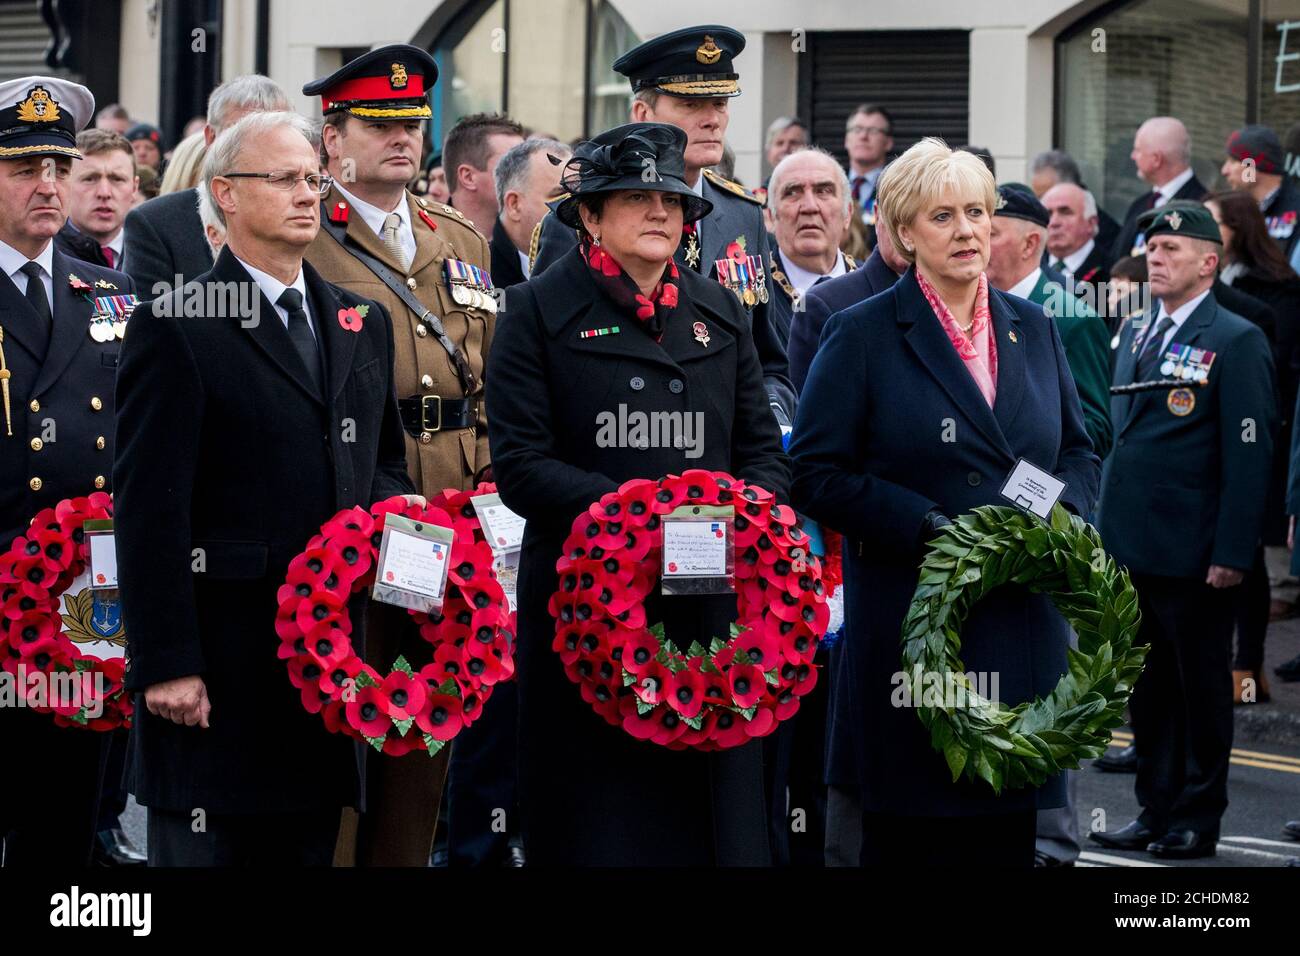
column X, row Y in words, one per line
column 39, row 107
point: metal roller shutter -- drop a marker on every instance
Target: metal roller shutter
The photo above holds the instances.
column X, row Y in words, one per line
column 921, row 76
column 23, row 39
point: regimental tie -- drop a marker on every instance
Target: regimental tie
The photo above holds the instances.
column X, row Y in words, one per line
column 300, row 333
column 391, row 238
column 1151, row 350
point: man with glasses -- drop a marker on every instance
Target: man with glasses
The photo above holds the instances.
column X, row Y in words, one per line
column 248, row 419
column 868, row 139
column 410, row 254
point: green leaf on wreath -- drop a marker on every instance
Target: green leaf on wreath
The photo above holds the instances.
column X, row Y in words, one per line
column 695, row 723
column 628, row 678
column 716, row 645
column 80, row 717
column 401, row 665
column 696, row 650
column 748, row 712
column 735, row 629
column 642, row 708
column 771, row 677
column 377, row 742
column 403, row 725
column 363, row 679
column 433, row 746
column 657, row 630
column 449, row 686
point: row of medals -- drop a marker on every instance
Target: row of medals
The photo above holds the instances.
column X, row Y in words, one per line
column 104, row 328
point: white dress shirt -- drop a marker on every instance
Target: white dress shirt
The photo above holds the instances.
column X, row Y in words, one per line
column 1166, row 192
column 11, row 261
column 374, row 217
column 1179, row 316
column 802, row 280
column 698, row 189
column 273, row 288
column 523, row 263
column 1026, row 285
column 1075, row 259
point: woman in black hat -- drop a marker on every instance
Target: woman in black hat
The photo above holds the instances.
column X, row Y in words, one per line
column 614, row 329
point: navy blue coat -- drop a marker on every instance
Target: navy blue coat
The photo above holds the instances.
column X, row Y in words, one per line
column 878, row 465
column 872, row 277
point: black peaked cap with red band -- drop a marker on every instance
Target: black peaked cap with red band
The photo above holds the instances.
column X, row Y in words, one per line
column 390, row 83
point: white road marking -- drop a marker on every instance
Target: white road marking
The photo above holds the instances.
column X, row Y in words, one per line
column 1115, row 860
column 1260, row 841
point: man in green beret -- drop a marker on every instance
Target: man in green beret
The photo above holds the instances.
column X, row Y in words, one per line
column 1182, row 507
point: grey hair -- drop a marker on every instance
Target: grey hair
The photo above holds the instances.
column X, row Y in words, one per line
column 779, row 126
column 1067, row 170
column 251, row 92
column 841, row 177
column 512, row 168
column 209, row 214
column 224, row 152
column 1089, row 204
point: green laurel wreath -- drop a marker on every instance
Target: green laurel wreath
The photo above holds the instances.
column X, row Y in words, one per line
column 1024, row 745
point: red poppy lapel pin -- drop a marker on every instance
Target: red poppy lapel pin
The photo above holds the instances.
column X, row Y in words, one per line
column 79, row 286
column 736, row 250
column 351, row 318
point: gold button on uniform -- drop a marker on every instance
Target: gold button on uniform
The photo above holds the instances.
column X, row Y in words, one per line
column 37, row 444
column 35, row 405
column 99, row 481
column 96, row 404
column 421, row 330
column 425, row 438
column 426, row 381
column 99, row 442
column 411, row 284
column 34, row 484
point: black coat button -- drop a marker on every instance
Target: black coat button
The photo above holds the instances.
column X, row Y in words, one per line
column 637, row 383
column 676, row 386
column 973, row 479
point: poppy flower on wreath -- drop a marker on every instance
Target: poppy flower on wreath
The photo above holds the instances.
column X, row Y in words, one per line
column 631, row 674
column 471, row 636
column 79, row 689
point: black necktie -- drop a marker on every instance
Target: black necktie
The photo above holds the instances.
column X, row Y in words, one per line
column 37, row 297
column 1151, row 350
column 1151, row 200
column 304, row 343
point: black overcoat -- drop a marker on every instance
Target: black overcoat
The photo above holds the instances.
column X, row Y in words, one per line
column 589, row 792
column 228, row 454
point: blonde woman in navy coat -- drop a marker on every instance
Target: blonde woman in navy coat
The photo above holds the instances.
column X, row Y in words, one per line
column 917, row 406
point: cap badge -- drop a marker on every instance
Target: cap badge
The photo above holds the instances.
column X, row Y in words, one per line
column 38, row 107
column 1175, row 221
column 709, row 52
column 398, row 78
column 1002, row 201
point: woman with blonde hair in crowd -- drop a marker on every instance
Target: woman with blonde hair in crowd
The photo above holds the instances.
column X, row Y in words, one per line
column 917, row 407
column 183, row 168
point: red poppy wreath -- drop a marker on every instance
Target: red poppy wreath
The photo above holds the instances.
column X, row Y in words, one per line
column 47, row 669
column 472, row 635
column 707, row 698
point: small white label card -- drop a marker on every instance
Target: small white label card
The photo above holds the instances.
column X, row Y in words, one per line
column 414, row 557
column 1033, row 489
column 695, row 547
column 103, row 555
column 506, row 569
column 503, row 529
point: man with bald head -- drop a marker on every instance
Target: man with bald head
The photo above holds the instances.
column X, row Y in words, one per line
column 1162, row 153
column 1072, row 247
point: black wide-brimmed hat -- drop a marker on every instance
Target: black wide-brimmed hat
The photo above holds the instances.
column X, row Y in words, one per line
column 636, row 156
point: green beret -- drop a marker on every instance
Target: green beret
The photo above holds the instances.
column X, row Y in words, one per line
column 1181, row 217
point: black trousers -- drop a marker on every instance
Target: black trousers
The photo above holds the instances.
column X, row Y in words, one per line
column 1000, row 840
column 49, row 798
column 255, row 839
column 112, row 800
column 1252, row 603
column 482, row 785
column 1182, row 705
column 795, row 776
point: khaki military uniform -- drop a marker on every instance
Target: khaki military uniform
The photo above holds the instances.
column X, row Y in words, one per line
column 403, row 793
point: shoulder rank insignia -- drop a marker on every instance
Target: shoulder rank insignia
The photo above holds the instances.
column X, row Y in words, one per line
column 733, row 188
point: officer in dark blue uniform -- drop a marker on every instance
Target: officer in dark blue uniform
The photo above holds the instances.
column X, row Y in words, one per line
column 686, row 78
column 1182, row 507
column 58, row 358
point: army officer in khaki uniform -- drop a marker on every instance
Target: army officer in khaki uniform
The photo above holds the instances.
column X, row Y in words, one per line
column 428, row 266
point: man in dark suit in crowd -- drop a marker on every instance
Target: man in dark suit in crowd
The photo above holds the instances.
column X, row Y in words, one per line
column 1072, row 247
column 1162, row 153
column 1182, row 508
column 165, row 237
column 1057, row 166
column 878, row 273
column 56, row 374
column 526, row 180
column 241, row 432
column 686, row 78
column 100, row 192
column 1255, row 164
